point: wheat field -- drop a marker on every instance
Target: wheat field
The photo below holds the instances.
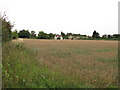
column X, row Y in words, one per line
column 90, row 62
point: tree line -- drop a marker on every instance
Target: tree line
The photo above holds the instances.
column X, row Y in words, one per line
column 43, row 35
column 7, row 34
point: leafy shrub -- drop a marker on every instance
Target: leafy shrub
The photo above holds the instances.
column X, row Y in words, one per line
column 6, row 29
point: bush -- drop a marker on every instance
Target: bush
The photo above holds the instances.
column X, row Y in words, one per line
column 15, row 34
column 24, row 34
column 6, row 29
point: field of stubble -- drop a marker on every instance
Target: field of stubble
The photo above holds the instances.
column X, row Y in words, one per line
column 90, row 62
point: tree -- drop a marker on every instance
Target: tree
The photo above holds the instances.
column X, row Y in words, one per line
column 32, row 34
column 95, row 34
column 105, row 36
column 24, row 34
column 68, row 34
column 51, row 35
column 6, row 32
column 109, row 36
column 76, row 35
column 62, row 33
column 42, row 35
column 15, row 34
column 116, row 35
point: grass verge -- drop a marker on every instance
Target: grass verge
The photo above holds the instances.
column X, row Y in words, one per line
column 21, row 70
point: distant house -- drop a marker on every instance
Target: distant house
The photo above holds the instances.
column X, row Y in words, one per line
column 77, row 37
column 56, row 37
column 70, row 37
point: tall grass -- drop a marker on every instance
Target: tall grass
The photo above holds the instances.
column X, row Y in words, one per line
column 94, row 63
column 22, row 70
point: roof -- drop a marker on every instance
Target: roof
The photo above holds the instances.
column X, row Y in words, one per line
column 58, row 35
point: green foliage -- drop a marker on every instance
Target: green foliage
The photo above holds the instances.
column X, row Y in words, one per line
column 24, row 34
column 64, row 35
column 15, row 34
column 76, row 35
column 51, row 35
column 95, row 34
column 42, row 35
column 109, row 36
column 6, row 29
column 32, row 34
column 116, row 35
column 68, row 34
column 105, row 36
column 22, row 70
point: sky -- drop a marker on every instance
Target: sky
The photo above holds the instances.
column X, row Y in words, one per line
column 54, row 16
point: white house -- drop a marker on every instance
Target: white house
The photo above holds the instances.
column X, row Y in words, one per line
column 70, row 37
column 58, row 36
